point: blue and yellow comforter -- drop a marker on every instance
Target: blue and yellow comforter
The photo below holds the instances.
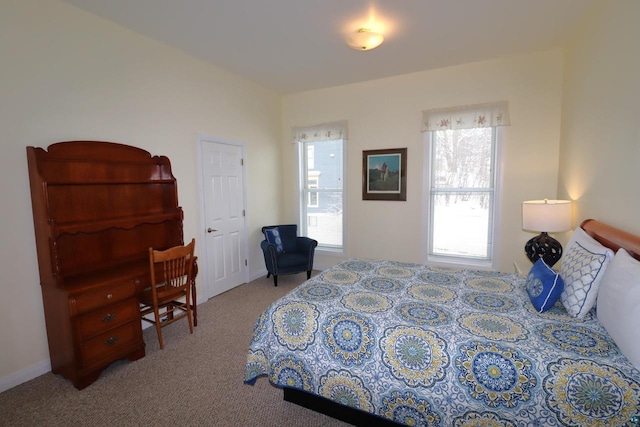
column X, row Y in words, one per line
column 431, row 346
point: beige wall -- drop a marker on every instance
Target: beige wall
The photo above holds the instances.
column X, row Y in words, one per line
column 387, row 114
column 600, row 155
column 69, row 75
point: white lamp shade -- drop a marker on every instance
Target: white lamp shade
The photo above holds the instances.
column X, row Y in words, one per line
column 546, row 215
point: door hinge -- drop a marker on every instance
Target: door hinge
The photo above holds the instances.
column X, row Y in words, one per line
column 245, row 262
column 241, row 162
column 244, row 213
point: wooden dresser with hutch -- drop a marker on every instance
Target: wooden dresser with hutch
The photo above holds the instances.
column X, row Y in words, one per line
column 97, row 208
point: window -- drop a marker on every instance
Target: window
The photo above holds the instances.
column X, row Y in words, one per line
column 461, row 183
column 322, row 192
column 462, row 193
column 321, row 154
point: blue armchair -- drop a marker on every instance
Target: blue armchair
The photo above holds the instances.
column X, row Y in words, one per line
column 285, row 252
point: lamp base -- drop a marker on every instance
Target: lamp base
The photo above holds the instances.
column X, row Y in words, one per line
column 545, row 247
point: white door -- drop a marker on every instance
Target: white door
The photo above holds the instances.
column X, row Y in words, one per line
column 225, row 263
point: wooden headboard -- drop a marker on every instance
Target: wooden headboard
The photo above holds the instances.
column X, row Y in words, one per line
column 612, row 237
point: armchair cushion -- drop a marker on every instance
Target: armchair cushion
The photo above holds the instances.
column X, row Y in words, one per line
column 273, row 236
column 289, row 237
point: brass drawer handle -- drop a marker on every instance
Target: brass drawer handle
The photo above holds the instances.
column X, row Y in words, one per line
column 112, row 340
column 109, row 317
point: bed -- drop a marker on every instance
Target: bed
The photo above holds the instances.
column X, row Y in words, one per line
column 380, row 342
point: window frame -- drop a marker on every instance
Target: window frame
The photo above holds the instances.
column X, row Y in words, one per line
column 493, row 232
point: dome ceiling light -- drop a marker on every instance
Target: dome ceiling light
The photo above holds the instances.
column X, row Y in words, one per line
column 365, row 39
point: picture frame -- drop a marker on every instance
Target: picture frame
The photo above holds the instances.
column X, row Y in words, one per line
column 384, row 174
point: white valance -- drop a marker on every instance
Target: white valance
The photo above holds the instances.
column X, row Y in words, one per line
column 467, row 117
column 322, row 132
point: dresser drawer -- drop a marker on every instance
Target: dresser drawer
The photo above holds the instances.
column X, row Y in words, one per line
column 107, row 346
column 109, row 294
column 108, row 317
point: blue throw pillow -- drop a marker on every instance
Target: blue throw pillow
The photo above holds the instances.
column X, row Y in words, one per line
column 544, row 286
column 273, row 237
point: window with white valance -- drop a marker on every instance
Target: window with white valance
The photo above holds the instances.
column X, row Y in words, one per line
column 321, row 154
column 461, row 184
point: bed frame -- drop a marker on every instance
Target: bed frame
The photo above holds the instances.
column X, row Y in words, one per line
column 607, row 235
column 612, row 237
column 335, row 410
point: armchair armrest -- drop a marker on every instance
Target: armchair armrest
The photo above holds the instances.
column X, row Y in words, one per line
column 305, row 244
column 270, row 257
column 308, row 246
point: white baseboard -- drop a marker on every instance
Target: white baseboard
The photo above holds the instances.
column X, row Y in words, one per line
column 24, row 375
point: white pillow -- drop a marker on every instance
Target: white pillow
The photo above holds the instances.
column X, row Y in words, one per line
column 583, row 265
column 619, row 304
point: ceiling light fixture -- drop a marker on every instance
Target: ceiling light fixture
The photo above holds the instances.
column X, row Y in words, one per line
column 365, row 39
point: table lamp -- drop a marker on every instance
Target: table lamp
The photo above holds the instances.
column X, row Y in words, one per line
column 545, row 216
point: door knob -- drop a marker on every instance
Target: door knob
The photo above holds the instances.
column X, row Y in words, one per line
column 210, row 230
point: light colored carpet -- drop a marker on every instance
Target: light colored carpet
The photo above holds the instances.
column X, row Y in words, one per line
column 197, row 380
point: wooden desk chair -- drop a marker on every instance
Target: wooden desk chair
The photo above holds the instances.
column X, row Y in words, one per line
column 170, row 292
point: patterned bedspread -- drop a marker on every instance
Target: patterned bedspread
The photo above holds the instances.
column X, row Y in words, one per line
column 442, row 347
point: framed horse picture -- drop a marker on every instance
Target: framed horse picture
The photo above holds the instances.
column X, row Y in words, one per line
column 384, row 174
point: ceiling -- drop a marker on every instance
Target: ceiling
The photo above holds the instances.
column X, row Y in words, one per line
column 297, row 45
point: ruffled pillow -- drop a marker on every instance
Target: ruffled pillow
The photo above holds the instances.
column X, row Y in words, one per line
column 583, row 265
column 273, row 237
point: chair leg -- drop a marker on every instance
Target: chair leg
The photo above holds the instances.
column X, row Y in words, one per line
column 189, row 311
column 268, row 274
column 156, row 313
column 275, row 280
column 194, row 303
column 308, row 274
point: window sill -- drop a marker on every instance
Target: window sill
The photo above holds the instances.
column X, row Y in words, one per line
column 329, row 251
column 463, row 263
